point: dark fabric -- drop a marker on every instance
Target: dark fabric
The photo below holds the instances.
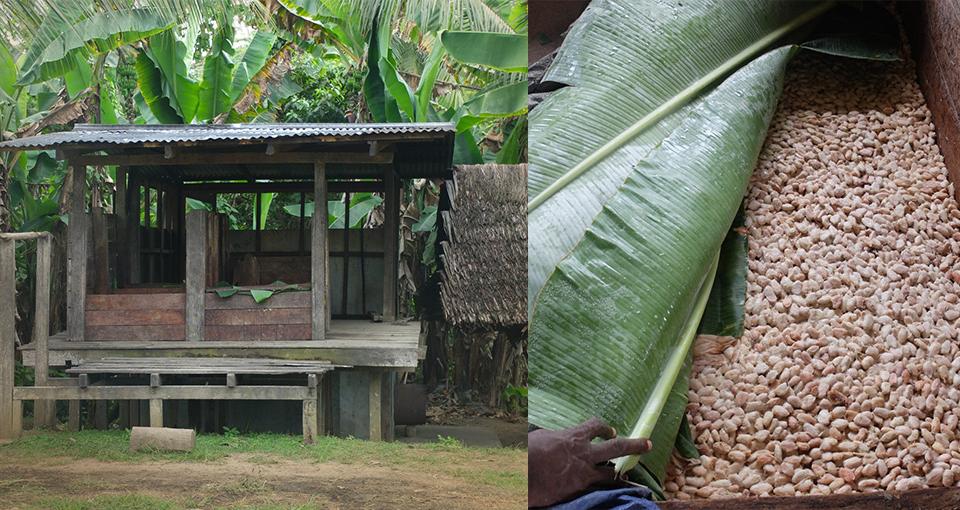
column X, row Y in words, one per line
column 632, row 498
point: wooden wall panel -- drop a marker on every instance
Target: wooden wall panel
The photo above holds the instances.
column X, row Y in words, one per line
column 935, row 40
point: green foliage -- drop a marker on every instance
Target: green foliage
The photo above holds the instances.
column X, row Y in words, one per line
column 216, row 93
column 54, row 52
column 505, row 52
column 329, row 89
column 449, row 442
column 515, row 399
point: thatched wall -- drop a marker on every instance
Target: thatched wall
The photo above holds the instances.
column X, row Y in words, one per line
column 484, row 247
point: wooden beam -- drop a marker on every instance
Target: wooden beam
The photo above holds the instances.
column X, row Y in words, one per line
column 44, row 410
column 233, row 157
column 8, row 334
column 196, row 277
column 197, row 189
column 189, row 392
column 77, row 254
column 156, row 412
column 323, row 401
column 940, row 498
column 319, row 256
column 23, row 236
column 376, row 382
column 391, row 232
column 168, row 152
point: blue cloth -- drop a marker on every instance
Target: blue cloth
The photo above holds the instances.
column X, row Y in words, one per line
column 631, row 498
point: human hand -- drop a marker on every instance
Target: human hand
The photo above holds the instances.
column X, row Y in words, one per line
column 563, row 463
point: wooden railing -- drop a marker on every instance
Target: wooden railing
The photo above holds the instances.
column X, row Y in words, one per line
column 11, row 411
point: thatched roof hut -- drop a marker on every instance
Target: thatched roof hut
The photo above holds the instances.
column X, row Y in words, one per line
column 484, row 247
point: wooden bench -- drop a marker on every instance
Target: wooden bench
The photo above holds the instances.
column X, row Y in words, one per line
column 156, row 392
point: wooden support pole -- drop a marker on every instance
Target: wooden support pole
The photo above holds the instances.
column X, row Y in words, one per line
column 319, row 255
column 133, row 231
column 120, row 215
column 322, row 400
column 44, row 410
column 77, row 255
column 376, row 434
column 101, row 255
column 73, row 416
column 100, row 414
column 16, row 426
column 231, row 380
column 8, row 334
column 196, row 277
column 310, row 421
column 391, row 232
column 156, row 412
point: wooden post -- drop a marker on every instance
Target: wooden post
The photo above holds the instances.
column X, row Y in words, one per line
column 77, row 256
column 44, row 410
column 376, row 434
column 391, row 215
column 319, row 255
column 133, row 231
column 196, row 277
column 73, row 415
column 322, row 401
column 101, row 256
column 156, row 412
column 310, row 421
column 120, row 215
column 8, row 334
column 16, row 426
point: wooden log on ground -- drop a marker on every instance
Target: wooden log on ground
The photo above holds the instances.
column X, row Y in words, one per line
column 162, row 439
column 940, row 498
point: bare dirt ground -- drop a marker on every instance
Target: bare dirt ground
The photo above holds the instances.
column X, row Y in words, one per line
column 246, row 480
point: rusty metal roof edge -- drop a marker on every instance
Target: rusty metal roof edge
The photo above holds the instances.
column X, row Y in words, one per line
column 132, row 134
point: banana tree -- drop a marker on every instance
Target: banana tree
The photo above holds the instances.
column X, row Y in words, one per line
column 227, row 90
column 646, row 162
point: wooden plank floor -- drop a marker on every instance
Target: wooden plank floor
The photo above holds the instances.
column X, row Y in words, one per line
column 349, row 342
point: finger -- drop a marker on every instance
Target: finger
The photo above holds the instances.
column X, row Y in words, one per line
column 619, row 447
column 594, row 427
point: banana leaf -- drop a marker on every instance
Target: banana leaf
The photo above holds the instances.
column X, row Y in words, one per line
column 52, row 52
column 637, row 171
column 216, row 89
column 169, row 53
column 506, row 52
column 254, row 58
column 150, row 83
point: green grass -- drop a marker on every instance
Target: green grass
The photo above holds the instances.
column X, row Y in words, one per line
column 113, row 446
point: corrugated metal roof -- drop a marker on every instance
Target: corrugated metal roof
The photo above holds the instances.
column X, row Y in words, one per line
column 133, row 134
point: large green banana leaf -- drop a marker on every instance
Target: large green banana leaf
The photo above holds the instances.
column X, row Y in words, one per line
column 254, row 58
column 216, row 89
column 52, row 53
column 637, row 171
column 583, row 139
column 150, row 83
column 608, row 319
column 506, row 52
column 169, row 53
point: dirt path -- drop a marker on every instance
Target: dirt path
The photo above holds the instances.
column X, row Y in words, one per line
column 244, row 479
